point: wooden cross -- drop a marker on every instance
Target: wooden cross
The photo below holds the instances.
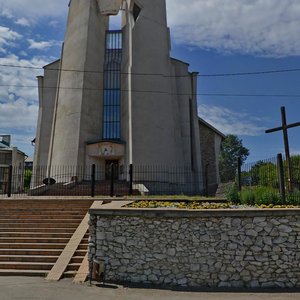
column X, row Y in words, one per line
column 285, row 128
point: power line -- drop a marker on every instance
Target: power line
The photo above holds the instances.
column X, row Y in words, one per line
column 160, row 74
column 163, row 92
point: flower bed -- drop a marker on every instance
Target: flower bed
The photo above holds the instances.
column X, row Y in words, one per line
column 198, row 205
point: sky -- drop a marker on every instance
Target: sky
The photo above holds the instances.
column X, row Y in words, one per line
column 213, row 36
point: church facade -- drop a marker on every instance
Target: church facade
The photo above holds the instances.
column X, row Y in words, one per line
column 119, row 98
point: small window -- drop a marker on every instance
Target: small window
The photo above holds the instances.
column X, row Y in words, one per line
column 136, row 11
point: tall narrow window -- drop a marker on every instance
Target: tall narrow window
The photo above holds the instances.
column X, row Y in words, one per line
column 112, row 86
column 136, row 11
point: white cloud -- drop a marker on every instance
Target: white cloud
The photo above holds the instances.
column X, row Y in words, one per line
column 23, row 22
column 12, row 78
column 260, row 27
column 19, row 105
column 231, row 122
column 35, row 8
column 54, row 23
column 42, row 45
column 6, row 13
column 7, row 37
column 18, row 115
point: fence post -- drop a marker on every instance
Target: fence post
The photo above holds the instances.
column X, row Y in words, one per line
column 206, row 179
column 281, row 177
column 239, row 174
column 93, row 180
column 130, row 179
column 9, row 183
column 112, row 174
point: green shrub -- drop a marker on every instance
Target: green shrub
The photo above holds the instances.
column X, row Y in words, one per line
column 247, row 196
column 232, row 194
column 260, row 196
column 293, row 198
column 267, row 196
column 27, row 178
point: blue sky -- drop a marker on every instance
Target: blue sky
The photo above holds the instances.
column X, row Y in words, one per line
column 214, row 37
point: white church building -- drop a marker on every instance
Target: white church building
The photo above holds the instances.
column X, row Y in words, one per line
column 119, row 98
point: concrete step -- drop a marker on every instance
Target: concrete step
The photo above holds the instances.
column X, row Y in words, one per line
column 33, row 246
column 73, row 267
column 33, row 240
column 69, row 230
column 35, row 207
column 25, row 265
column 34, row 234
column 33, row 252
column 34, row 225
column 59, row 221
column 76, row 259
column 83, row 247
column 12, row 272
column 41, row 217
column 80, row 252
column 69, row 274
column 29, row 258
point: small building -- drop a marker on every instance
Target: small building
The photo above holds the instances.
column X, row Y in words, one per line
column 211, row 140
column 11, row 156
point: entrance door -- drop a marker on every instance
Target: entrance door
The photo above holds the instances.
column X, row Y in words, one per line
column 108, row 169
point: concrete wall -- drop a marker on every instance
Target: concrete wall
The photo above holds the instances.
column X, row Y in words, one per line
column 79, row 106
column 163, row 119
column 223, row 248
column 47, row 93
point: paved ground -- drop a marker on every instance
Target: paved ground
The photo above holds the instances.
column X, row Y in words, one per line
column 19, row 288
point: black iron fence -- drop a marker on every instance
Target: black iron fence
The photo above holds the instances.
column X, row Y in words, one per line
column 114, row 180
column 272, row 173
column 108, row 180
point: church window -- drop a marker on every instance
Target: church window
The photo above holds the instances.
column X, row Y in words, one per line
column 112, row 86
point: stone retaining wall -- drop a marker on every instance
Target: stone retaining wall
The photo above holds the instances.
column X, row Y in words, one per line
column 255, row 248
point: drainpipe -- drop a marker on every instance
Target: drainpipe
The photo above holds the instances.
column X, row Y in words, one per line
column 130, row 25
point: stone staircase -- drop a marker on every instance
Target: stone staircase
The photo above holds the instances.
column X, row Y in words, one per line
column 33, row 234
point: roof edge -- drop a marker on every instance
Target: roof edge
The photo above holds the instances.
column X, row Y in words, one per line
column 211, row 127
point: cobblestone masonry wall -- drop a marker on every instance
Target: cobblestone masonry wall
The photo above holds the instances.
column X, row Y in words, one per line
column 213, row 251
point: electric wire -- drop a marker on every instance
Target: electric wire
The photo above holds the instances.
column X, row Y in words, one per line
column 160, row 92
column 265, row 72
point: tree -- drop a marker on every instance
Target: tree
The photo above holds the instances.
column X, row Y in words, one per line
column 232, row 148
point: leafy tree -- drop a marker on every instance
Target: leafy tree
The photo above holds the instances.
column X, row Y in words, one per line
column 232, row 148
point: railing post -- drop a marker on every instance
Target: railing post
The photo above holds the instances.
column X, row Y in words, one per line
column 281, row 177
column 206, row 179
column 130, row 179
column 93, row 180
column 112, row 173
column 9, row 183
column 239, row 174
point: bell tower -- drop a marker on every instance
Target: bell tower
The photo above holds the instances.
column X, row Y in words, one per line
column 79, row 98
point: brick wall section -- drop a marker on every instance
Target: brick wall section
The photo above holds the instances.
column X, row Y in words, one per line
column 208, row 155
column 199, row 249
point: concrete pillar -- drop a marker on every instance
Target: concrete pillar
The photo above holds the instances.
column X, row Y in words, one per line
column 79, row 102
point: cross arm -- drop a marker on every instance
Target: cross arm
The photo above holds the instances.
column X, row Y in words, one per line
column 293, row 125
column 281, row 128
